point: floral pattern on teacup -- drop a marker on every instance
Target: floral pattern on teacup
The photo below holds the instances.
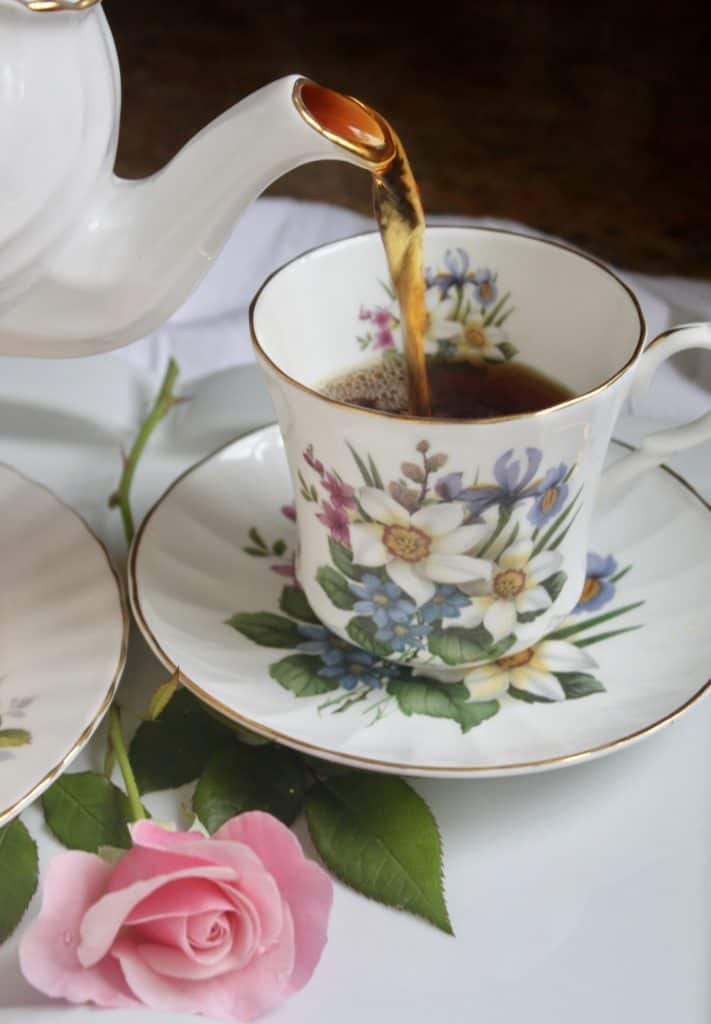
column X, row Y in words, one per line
column 11, row 735
column 466, row 314
column 398, row 612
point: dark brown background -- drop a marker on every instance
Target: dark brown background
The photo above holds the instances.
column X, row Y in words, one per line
column 588, row 120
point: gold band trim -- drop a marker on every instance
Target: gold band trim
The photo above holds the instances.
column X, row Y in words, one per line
column 368, row 762
column 7, row 813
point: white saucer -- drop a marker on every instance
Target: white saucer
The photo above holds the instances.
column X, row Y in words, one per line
column 197, row 563
column 63, row 637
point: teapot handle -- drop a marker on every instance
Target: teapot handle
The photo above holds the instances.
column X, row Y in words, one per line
column 655, row 447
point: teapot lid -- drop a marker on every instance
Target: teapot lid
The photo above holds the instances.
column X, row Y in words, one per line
column 43, row 6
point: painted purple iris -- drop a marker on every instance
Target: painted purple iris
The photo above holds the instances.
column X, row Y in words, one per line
column 599, row 583
column 457, row 274
column 551, row 495
column 513, row 483
column 485, row 286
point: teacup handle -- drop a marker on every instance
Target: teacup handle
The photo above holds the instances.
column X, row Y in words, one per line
column 657, row 446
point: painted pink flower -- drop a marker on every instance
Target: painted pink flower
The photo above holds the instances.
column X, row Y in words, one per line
column 289, row 511
column 342, row 494
column 335, row 519
column 226, row 926
column 287, row 569
column 384, row 339
column 312, row 461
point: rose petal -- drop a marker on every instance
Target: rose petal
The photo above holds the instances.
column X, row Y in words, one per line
column 242, row 994
column 247, row 866
column 303, row 884
column 48, row 950
column 103, row 921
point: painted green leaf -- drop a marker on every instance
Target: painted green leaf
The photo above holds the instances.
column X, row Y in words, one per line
column 299, row 673
column 175, row 748
column 364, row 471
column 583, row 623
column 579, row 684
column 239, row 779
column 85, row 811
column 256, row 536
column 457, row 646
column 278, row 548
column 528, row 698
column 419, row 696
column 294, row 602
column 15, row 737
column 599, row 637
column 555, row 527
column 256, row 552
column 507, row 349
column 336, row 587
column 18, row 875
column 266, row 629
column 378, row 836
column 554, row 584
column 342, row 558
column 362, row 632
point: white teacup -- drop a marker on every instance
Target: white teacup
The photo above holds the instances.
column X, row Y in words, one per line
column 448, row 543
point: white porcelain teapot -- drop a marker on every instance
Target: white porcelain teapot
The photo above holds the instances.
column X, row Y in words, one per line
column 89, row 261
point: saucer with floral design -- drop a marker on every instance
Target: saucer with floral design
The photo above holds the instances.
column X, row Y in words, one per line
column 63, row 638
column 212, row 585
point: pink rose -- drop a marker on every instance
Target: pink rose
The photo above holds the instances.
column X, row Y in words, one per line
column 226, row 926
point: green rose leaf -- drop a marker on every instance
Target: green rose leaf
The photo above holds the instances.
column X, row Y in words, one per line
column 418, row 696
column 325, row 769
column 18, row 875
column 362, row 633
column 299, row 673
column 175, row 748
column 554, row 584
column 266, row 629
column 15, row 737
column 342, row 558
column 293, row 601
column 239, row 779
column 336, row 587
column 579, row 684
column 85, row 811
column 457, row 646
column 377, row 835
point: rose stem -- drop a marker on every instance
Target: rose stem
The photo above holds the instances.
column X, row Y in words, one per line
column 129, row 779
column 161, row 407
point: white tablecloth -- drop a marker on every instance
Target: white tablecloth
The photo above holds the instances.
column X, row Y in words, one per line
column 582, row 894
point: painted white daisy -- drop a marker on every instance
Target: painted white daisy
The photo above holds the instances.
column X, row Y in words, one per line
column 438, row 326
column 531, row 670
column 476, row 342
column 513, row 588
column 418, row 549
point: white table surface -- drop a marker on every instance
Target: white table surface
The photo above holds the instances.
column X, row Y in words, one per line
column 582, row 894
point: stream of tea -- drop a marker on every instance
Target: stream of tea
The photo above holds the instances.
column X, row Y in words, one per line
column 401, row 219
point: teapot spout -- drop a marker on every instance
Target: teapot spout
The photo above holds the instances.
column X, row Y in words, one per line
column 141, row 247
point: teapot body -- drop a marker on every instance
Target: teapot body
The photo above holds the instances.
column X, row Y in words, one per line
column 59, row 114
